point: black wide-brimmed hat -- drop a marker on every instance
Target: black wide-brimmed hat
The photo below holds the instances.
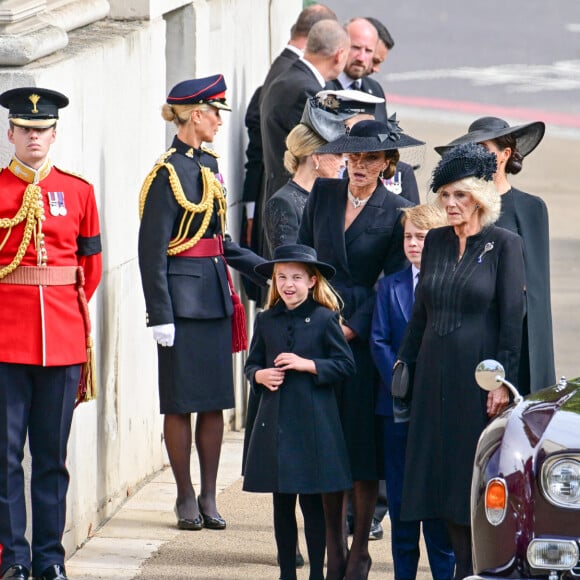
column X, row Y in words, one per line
column 295, row 253
column 367, row 136
column 461, row 161
column 327, row 111
column 33, row 106
column 527, row 136
column 208, row 90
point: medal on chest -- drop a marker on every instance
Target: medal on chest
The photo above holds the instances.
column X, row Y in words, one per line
column 394, row 184
column 56, row 203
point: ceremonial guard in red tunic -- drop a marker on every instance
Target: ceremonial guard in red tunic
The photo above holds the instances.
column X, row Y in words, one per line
column 50, row 265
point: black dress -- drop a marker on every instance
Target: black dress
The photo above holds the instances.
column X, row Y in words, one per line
column 296, row 444
column 464, row 312
column 372, row 244
column 527, row 216
column 192, row 293
column 283, row 215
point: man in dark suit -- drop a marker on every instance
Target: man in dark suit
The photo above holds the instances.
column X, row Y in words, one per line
column 283, row 103
column 292, row 51
column 370, row 42
column 395, row 297
column 254, row 178
column 384, row 45
column 363, row 42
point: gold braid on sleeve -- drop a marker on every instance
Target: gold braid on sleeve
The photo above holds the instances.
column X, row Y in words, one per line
column 31, row 211
column 212, row 192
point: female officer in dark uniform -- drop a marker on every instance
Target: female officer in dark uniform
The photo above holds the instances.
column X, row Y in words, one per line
column 188, row 292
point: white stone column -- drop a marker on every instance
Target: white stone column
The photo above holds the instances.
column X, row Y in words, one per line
column 32, row 29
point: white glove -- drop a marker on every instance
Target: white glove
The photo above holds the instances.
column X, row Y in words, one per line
column 164, row 334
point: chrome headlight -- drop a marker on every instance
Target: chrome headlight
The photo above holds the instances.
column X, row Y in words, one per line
column 553, row 554
column 561, row 481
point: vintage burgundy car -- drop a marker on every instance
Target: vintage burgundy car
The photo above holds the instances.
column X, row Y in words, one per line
column 525, row 493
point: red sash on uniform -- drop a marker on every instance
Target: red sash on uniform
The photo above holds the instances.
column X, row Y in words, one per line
column 208, row 248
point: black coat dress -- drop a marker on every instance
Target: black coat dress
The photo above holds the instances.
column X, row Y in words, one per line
column 193, row 293
column 527, row 216
column 371, row 245
column 464, row 312
column 296, row 444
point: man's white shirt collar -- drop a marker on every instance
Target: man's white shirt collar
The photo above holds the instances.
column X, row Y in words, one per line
column 344, row 80
column 295, row 49
column 315, row 72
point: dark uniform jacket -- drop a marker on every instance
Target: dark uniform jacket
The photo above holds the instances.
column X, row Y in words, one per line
column 178, row 286
column 296, row 444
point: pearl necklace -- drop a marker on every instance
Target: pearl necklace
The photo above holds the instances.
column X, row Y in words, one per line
column 356, row 201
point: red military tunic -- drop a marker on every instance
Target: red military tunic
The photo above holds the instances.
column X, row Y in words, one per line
column 43, row 325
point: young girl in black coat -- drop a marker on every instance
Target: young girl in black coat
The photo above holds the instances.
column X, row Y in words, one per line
column 298, row 353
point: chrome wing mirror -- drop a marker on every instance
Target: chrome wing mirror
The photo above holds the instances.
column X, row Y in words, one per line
column 490, row 375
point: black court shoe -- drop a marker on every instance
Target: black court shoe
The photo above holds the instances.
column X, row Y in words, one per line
column 187, row 524
column 211, row 523
column 16, row 572
column 55, row 572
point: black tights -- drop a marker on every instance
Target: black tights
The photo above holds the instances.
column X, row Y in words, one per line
column 286, row 533
column 209, row 429
column 461, row 542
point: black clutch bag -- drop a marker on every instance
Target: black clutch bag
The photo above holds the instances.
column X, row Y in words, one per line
column 402, row 381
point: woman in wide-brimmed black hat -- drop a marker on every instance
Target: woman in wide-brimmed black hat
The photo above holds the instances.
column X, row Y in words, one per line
column 527, row 215
column 354, row 225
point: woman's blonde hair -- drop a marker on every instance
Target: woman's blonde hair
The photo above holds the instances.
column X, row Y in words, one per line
column 485, row 195
column 301, row 142
column 322, row 292
column 180, row 114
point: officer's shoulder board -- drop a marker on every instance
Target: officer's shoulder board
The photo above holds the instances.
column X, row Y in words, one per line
column 72, row 173
column 209, row 151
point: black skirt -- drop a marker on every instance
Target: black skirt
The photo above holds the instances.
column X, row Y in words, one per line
column 195, row 375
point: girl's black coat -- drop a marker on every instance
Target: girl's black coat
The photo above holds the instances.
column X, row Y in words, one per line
column 296, row 444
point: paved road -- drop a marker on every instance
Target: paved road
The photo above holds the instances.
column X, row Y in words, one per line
column 523, row 53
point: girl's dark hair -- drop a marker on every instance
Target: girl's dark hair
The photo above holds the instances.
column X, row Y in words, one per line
column 515, row 162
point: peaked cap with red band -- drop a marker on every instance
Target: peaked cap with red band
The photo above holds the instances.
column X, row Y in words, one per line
column 209, row 91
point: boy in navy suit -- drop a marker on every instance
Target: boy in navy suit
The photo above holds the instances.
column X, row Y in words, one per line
column 393, row 308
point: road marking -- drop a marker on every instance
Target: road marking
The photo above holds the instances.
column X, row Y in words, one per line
column 480, row 109
column 573, row 27
column 560, row 76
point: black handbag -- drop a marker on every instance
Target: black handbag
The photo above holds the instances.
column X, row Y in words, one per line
column 402, row 381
